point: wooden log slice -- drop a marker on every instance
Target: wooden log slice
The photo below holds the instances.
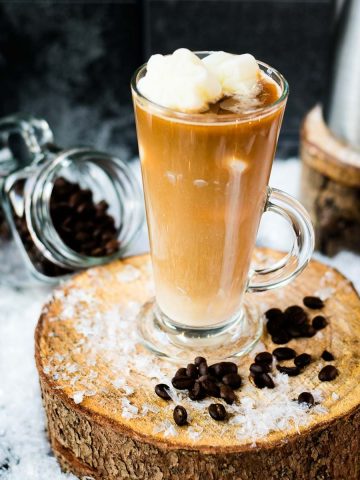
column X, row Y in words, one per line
column 105, row 421
column 330, row 185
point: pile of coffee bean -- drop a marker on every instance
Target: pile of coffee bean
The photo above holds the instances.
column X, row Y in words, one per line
column 82, row 224
column 260, row 369
column 294, row 321
column 202, row 380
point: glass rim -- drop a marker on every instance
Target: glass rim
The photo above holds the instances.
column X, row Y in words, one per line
column 215, row 119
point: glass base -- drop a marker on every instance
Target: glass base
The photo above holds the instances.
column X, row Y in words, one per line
column 176, row 343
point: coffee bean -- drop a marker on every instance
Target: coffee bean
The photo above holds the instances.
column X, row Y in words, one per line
column 327, row 356
column 162, row 391
column 263, row 380
column 274, row 313
column 181, row 372
column 180, row 415
column 233, row 380
column 191, row 370
column 284, row 353
column 264, row 357
column 294, row 331
column 274, row 326
column 203, row 369
column 328, row 373
column 319, row 322
column 210, row 388
column 217, row 411
column 308, row 331
column 106, row 235
column 183, row 382
column 256, row 368
column 295, row 315
column 290, row 371
column 199, row 360
column 102, row 206
column 98, row 252
column 112, row 246
column 302, row 360
column 314, row 303
column 207, row 377
column 281, row 337
column 75, row 199
column 81, row 237
column 306, row 397
column 222, row 368
column 197, row 392
column 227, row 394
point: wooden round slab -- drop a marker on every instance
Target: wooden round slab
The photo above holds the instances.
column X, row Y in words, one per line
column 105, row 421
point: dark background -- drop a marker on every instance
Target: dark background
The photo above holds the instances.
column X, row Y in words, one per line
column 71, row 62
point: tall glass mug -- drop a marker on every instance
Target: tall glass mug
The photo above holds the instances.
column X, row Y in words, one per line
column 205, row 182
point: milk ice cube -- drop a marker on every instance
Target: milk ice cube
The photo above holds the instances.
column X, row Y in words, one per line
column 237, row 74
column 180, row 81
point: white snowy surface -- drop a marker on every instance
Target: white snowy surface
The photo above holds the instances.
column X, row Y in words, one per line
column 24, row 450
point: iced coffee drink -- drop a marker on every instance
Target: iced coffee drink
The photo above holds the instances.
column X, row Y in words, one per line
column 206, row 152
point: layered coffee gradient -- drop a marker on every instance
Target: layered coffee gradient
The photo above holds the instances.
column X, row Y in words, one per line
column 205, row 172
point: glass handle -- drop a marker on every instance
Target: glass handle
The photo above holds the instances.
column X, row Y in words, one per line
column 289, row 267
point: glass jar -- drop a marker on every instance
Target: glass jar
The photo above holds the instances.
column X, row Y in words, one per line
column 61, row 210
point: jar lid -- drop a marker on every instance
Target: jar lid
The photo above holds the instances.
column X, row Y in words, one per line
column 21, row 140
column 326, row 153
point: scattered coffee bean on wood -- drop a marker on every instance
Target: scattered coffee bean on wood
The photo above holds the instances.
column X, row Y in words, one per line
column 227, row 394
column 302, row 360
column 222, row 368
column 191, row 370
column 274, row 313
column 263, row 380
column 315, row 303
column 181, row 372
column 264, row 357
column 197, row 392
column 284, row 353
column 217, row 411
column 328, row 373
column 295, row 315
column 295, row 331
column 180, row 415
column 207, row 377
column 210, row 387
column 327, row 356
column 257, row 368
column 309, row 331
column 290, row 371
column 306, row 397
column 183, row 382
column 274, row 326
column 233, row 380
column 319, row 322
column 203, row 369
column 199, row 360
column 281, row 337
column 162, row 391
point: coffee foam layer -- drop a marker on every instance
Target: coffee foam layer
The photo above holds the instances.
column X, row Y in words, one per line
column 184, row 82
